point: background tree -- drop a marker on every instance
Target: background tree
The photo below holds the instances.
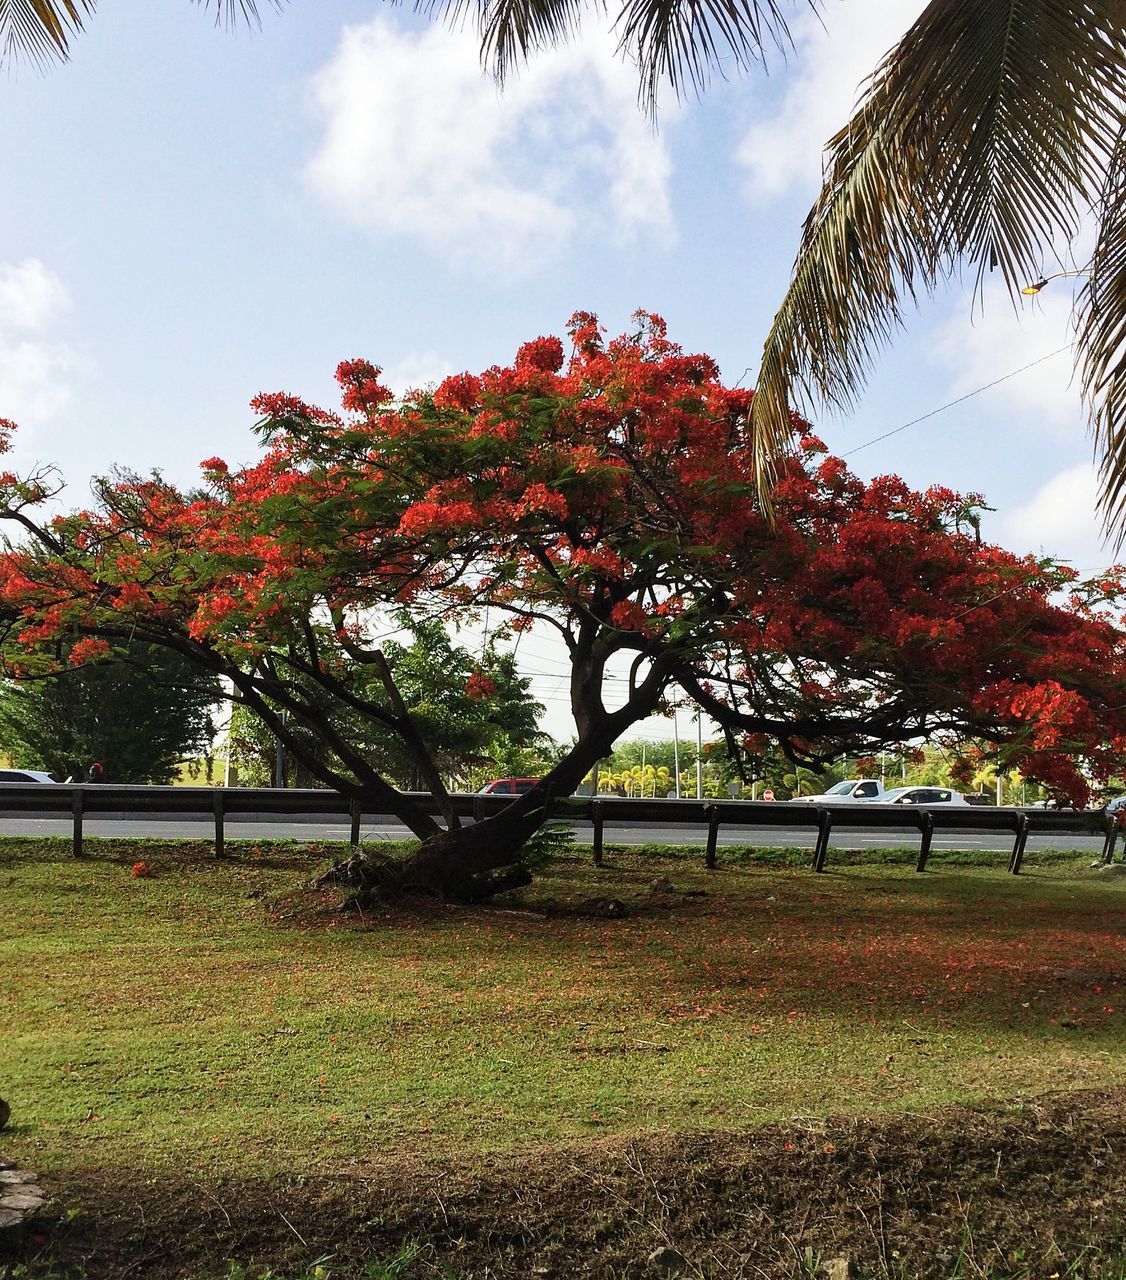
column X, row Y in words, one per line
column 140, row 716
column 476, row 713
column 759, row 765
column 611, row 498
column 470, row 709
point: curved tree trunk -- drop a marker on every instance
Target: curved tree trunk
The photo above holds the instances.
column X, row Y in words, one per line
column 468, row 864
column 471, row 863
column 474, row 862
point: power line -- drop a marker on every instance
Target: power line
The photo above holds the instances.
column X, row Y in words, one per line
column 950, row 404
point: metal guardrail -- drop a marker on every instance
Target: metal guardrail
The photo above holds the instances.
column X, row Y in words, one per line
column 219, row 803
column 824, row 818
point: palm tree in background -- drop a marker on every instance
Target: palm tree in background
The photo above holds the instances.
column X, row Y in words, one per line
column 990, row 137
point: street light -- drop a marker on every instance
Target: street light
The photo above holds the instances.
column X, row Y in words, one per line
column 1031, row 290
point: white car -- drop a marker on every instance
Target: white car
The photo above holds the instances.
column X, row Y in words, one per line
column 921, row 795
column 25, row 775
column 850, row 791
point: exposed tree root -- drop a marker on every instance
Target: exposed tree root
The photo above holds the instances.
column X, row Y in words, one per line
column 376, row 879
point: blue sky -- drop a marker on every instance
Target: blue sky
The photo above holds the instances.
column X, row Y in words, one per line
column 190, row 216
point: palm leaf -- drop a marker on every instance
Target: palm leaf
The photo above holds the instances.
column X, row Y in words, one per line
column 686, row 40
column 681, row 40
column 233, row 13
column 978, row 140
column 40, row 30
column 511, row 30
column 1101, row 343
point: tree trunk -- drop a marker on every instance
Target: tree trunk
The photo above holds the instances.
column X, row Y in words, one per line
column 472, row 863
column 469, row 864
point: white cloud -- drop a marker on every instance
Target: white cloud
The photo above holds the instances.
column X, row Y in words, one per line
column 1060, row 520
column 414, row 370
column 782, row 150
column 34, row 380
column 34, row 370
column 31, row 296
column 419, row 143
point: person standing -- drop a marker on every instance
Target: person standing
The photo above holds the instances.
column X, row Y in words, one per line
column 97, row 773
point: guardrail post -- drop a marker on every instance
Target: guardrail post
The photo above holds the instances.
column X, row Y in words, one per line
column 76, row 808
column 824, row 826
column 597, row 819
column 355, row 810
column 713, row 835
column 925, row 843
column 1110, row 840
column 1019, row 843
column 219, row 808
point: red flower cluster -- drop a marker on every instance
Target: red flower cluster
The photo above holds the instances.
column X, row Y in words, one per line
column 86, row 650
column 544, row 355
column 363, row 392
column 480, row 687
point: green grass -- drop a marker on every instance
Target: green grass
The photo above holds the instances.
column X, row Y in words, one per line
column 218, row 1016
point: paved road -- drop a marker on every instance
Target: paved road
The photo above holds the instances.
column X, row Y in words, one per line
column 306, row 829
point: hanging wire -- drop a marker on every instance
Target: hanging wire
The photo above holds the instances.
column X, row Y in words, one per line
column 960, row 400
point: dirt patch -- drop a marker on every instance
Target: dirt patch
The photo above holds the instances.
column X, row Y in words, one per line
column 1010, row 1188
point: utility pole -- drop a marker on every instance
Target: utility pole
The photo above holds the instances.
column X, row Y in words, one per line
column 676, row 754
column 279, row 758
column 699, row 755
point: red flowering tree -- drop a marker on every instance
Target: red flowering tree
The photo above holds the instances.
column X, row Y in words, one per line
column 609, row 496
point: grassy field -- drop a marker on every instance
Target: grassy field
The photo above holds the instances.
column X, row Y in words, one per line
column 224, row 1020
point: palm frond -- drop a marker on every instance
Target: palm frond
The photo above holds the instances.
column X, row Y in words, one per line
column 851, row 274
column 233, row 13
column 1101, row 344
column 511, row 31
column 980, row 137
column 39, row 30
column 685, row 41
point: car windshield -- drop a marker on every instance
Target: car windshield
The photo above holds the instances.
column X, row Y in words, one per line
column 841, row 789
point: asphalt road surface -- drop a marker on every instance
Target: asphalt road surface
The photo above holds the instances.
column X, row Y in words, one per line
column 310, row 829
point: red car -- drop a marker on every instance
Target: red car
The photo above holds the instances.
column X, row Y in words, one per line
column 508, row 786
